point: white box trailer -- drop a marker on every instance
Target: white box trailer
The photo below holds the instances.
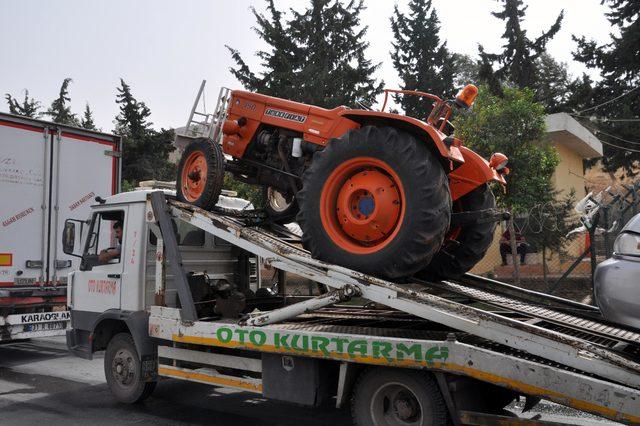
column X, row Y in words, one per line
column 48, row 173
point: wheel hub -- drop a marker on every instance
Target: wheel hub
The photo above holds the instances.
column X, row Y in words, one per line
column 194, row 176
column 395, row 404
column 405, row 409
column 123, row 368
column 368, row 206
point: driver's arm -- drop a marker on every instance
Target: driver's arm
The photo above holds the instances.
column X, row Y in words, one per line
column 107, row 254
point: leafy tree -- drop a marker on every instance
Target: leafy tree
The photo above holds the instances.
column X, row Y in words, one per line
column 517, row 63
column 619, row 64
column 60, row 111
column 146, row 151
column 87, row 119
column 28, row 108
column 422, row 61
column 513, row 125
column 317, row 56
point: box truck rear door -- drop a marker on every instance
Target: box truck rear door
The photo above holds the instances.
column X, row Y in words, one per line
column 86, row 165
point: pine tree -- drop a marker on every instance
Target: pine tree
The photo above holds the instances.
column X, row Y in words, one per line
column 60, row 111
column 145, row 151
column 552, row 84
column 317, row 56
column 517, row 62
column 87, row 119
column 422, row 61
column 28, row 108
column 619, row 64
column 467, row 70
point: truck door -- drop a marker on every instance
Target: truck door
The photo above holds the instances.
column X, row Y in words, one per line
column 97, row 285
column 85, row 166
column 25, row 153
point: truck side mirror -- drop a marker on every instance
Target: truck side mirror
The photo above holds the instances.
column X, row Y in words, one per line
column 69, row 237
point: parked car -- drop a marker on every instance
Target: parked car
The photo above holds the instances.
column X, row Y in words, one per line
column 617, row 280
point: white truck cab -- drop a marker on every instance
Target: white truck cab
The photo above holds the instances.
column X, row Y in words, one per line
column 108, row 294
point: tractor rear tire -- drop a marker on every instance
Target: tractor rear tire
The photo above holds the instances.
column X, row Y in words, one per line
column 200, row 174
column 472, row 241
column 395, row 200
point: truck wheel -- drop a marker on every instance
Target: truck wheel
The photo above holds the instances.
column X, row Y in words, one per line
column 473, row 240
column 279, row 209
column 123, row 371
column 390, row 397
column 376, row 200
column 200, row 174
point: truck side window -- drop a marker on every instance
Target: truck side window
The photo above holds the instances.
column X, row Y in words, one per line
column 104, row 243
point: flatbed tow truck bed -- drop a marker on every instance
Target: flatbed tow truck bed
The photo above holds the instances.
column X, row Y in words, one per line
column 536, row 344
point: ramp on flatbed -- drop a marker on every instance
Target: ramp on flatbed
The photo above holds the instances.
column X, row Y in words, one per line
column 582, row 361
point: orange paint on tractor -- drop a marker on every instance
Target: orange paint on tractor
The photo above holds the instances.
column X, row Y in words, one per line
column 194, row 176
column 247, row 111
column 363, row 203
column 338, row 172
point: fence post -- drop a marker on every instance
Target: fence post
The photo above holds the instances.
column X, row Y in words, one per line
column 514, row 248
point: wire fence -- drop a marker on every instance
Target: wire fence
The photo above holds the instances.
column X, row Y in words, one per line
column 582, row 239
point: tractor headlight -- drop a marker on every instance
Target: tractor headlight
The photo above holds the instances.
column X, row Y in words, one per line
column 627, row 244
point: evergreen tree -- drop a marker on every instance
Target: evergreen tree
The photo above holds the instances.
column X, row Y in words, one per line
column 145, row 151
column 517, row 62
column 60, row 111
column 551, row 88
column 467, row 70
column 422, row 61
column 619, row 64
column 317, row 56
column 28, row 108
column 87, row 119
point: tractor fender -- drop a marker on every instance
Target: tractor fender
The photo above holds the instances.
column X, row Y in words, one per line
column 409, row 124
column 474, row 172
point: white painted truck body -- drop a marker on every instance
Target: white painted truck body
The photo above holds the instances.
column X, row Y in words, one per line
column 536, row 345
column 48, row 173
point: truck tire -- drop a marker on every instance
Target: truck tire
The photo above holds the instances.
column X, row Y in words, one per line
column 473, row 240
column 278, row 208
column 390, row 396
column 200, row 174
column 123, row 370
column 375, row 200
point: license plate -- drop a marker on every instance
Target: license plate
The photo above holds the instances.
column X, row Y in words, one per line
column 45, row 326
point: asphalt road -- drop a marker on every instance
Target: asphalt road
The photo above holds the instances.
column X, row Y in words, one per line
column 42, row 384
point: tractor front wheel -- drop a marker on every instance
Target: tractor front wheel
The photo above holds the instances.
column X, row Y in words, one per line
column 281, row 208
column 376, row 200
column 200, row 174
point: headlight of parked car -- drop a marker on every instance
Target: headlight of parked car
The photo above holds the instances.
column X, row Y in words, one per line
column 627, row 244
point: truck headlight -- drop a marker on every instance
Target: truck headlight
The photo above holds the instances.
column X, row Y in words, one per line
column 627, row 244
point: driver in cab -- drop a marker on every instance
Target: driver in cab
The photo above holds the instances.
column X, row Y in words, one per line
column 110, row 253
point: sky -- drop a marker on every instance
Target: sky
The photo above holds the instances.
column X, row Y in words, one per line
column 164, row 48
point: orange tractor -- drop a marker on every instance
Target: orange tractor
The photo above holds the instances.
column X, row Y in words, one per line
column 378, row 192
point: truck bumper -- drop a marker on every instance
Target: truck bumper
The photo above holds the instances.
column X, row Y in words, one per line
column 79, row 343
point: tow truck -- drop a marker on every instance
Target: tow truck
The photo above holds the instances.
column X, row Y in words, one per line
column 185, row 301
